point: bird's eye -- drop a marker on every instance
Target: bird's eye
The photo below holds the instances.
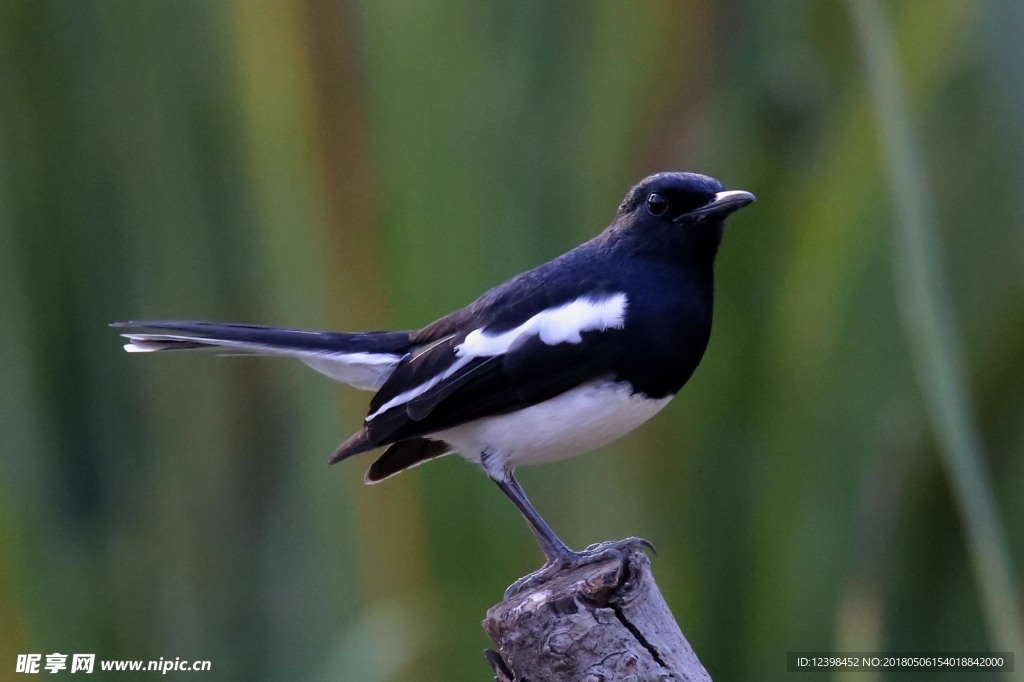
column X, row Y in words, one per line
column 656, row 204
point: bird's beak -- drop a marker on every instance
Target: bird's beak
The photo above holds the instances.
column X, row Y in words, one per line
column 723, row 204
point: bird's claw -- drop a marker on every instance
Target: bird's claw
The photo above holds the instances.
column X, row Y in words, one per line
column 538, row 577
column 596, row 553
column 621, row 546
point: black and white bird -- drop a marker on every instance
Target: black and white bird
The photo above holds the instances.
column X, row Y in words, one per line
column 555, row 362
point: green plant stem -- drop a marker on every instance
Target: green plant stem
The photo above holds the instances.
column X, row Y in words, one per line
column 927, row 318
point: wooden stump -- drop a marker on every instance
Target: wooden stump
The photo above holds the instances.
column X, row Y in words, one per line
column 601, row 623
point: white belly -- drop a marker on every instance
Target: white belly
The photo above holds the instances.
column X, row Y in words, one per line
column 575, row 422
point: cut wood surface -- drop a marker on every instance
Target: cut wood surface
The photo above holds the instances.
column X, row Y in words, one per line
column 606, row 622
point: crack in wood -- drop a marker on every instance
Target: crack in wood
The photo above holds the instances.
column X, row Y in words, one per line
column 639, row 636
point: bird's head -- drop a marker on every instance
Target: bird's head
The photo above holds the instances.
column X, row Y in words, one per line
column 684, row 208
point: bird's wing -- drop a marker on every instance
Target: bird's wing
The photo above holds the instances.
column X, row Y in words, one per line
column 480, row 371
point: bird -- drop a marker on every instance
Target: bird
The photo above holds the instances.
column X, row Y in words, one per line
column 557, row 361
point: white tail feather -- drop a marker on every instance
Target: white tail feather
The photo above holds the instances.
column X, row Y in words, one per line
column 367, row 371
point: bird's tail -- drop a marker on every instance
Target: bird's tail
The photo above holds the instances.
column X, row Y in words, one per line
column 364, row 360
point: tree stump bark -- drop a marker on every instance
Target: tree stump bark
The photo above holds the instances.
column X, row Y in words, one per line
column 606, row 622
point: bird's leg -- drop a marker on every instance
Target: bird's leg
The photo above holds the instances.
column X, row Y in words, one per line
column 555, row 551
column 557, row 555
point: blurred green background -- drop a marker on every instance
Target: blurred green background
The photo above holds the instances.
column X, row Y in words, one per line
column 373, row 165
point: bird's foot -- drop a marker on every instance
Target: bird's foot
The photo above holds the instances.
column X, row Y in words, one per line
column 618, row 548
column 538, row 577
column 594, row 554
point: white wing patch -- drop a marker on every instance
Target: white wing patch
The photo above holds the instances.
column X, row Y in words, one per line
column 562, row 324
column 415, row 392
